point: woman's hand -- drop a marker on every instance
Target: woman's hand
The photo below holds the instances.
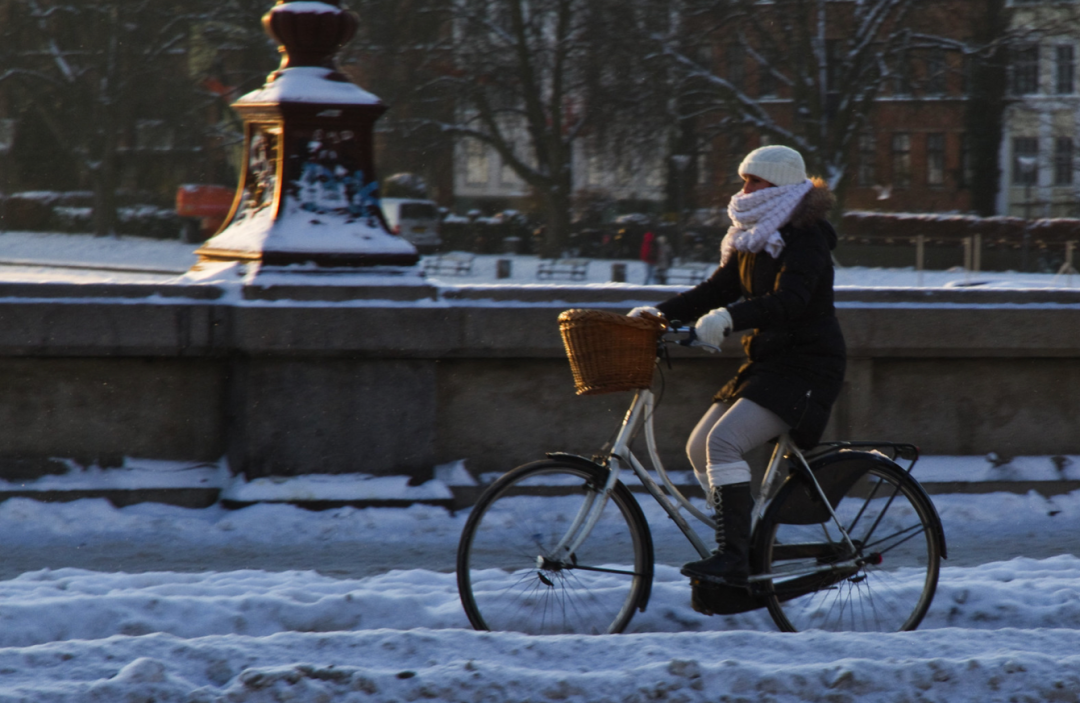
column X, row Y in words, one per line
column 646, row 310
column 713, row 326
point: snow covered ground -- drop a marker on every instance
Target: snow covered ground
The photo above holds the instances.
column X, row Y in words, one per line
column 137, row 259
column 998, row 631
column 214, row 619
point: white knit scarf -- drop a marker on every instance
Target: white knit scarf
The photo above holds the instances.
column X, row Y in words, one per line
column 756, row 219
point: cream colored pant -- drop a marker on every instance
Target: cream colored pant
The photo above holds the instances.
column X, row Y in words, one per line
column 724, row 434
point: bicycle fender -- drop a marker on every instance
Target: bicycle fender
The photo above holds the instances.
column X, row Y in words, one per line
column 573, row 459
column 939, row 530
column 847, row 480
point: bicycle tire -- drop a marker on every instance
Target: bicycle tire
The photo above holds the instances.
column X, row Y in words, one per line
column 886, row 584
column 508, row 577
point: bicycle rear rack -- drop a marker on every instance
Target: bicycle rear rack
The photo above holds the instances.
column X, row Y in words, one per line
column 899, row 450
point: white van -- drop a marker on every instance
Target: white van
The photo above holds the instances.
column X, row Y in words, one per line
column 415, row 220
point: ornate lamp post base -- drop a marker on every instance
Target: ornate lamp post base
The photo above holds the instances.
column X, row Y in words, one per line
column 308, row 198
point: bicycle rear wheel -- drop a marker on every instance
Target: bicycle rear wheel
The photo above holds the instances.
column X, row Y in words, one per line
column 882, row 581
column 514, row 572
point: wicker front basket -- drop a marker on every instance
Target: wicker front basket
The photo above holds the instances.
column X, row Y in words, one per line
column 609, row 352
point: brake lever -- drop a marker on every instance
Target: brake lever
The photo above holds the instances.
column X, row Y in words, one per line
column 691, row 335
column 691, row 339
column 664, row 355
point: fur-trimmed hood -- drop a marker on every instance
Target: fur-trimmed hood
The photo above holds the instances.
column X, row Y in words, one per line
column 815, row 205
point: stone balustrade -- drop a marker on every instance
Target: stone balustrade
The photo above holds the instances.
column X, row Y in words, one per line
column 321, row 379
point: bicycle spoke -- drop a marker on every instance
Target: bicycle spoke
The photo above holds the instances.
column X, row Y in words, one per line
column 881, row 513
column 913, row 531
column 624, row 572
column 865, row 505
column 514, row 572
column 813, row 580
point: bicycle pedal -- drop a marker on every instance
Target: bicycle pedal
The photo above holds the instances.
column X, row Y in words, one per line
column 710, row 598
column 716, row 581
column 697, row 600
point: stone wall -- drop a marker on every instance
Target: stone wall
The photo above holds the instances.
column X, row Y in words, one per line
column 381, row 386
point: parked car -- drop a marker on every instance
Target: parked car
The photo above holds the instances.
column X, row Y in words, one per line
column 415, row 220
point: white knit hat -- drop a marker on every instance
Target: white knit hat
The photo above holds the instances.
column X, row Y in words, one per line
column 779, row 165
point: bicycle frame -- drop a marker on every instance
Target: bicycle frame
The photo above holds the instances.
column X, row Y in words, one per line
column 621, row 456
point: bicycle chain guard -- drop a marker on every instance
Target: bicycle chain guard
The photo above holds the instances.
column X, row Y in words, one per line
column 717, row 599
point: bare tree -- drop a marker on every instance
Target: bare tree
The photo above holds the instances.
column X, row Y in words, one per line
column 805, row 73
column 396, row 50
column 986, row 105
column 533, row 78
column 105, row 78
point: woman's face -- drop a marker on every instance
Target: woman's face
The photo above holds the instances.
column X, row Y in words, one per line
column 752, row 184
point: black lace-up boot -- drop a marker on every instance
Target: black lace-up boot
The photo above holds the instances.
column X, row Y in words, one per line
column 730, row 563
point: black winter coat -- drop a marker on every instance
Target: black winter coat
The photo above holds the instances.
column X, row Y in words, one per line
column 796, row 348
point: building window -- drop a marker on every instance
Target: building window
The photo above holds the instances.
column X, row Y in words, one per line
column 766, row 82
column 935, row 159
column 153, row 135
column 1063, row 161
column 654, row 173
column 901, row 160
column 902, row 75
column 1064, row 69
column 736, row 66
column 736, row 151
column 508, row 176
column 935, row 72
column 967, row 75
column 594, row 169
column 1025, row 164
column 624, row 171
column 834, row 64
column 866, row 176
column 7, row 133
column 1025, row 70
column 477, row 169
column 966, row 172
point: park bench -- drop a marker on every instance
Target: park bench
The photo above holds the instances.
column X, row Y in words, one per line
column 574, row 269
column 690, row 273
column 454, row 263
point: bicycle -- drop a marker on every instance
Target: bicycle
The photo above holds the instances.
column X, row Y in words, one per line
column 843, row 537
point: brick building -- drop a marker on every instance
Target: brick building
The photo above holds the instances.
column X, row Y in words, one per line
column 1039, row 176
column 913, row 152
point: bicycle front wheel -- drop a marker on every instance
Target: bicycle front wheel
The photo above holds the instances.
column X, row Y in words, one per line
column 516, row 573
column 880, row 578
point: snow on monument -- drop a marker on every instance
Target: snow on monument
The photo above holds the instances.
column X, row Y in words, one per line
column 308, row 198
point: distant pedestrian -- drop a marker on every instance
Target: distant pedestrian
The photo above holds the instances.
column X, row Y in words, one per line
column 649, row 255
column 663, row 259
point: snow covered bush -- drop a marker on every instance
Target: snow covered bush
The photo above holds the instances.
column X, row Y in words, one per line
column 72, row 211
column 941, row 227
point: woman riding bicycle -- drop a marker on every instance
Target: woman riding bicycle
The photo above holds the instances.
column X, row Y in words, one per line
column 775, row 278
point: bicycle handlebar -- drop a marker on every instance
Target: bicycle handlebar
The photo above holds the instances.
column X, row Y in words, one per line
column 684, row 336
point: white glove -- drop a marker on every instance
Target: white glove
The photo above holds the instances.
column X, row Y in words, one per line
column 713, row 326
column 638, row 312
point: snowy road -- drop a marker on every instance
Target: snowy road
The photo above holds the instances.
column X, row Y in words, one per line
column 274, row 603
column 360, row 543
